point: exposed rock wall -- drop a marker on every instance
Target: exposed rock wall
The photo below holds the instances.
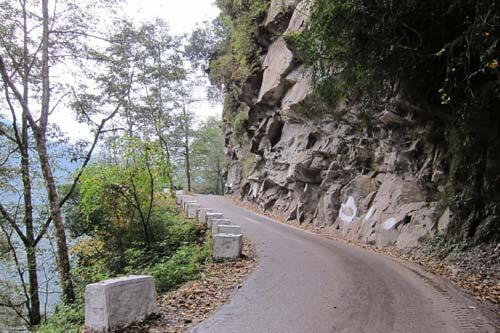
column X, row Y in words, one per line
column 370, row 174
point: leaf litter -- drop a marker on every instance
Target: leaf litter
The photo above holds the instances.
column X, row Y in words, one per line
column 196, row 300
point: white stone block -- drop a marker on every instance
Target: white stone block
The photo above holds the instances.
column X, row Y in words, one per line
column 186, row 203
column 116, row 303
column 178, row 199
column 227, row 246
column 210, row 216
column 228, row 229
column 191, row 210
column 202, row 215
column 217, row 222
column 186, row 198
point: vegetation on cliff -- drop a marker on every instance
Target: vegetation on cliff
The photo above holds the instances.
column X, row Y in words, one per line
column 228, row 52
column 443, row 57
column 237, row 52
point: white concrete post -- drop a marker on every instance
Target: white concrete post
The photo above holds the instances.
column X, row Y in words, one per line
column 116, row 303
column 186, row 198
column 227, row 246
column 178, row 199
column 210, row 216
column 186, row 203
column 202, row 215
column 191, row 210
column 217, row 222
column 228, row 229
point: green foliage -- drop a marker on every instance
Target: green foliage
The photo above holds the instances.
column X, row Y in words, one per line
column 231, row 103
column 66, row 319
column 436, row 47
column 240, row 121
column 441, row 247
column 120, row 197
column 128, row 227
column 247, row 163
column 237, row 53
column 208, row 157
column 183, row 266
column 177, row 255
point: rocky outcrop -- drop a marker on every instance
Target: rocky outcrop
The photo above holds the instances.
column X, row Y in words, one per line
column 277, row 63
column 278, row 15
column 367, row 173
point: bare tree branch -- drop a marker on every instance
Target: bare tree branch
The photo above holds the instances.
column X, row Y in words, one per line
column 7, row 80
column 58, row 102
column 9, row 154
column 7, row 135
column 81, row 33
column 13, row 223
column 18, row 266
column 99, row 131
column 13, row 113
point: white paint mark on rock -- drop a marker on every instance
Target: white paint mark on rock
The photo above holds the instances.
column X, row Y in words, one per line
column 369, row 215
column 348, row 211
column 390, row 223
column 255, row 189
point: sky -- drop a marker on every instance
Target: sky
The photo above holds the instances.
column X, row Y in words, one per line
column 183, row 16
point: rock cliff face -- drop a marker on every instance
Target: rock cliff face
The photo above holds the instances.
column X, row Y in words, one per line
column 370, row 174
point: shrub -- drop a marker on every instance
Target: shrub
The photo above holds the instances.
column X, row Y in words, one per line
column 184, row 265
column 239, row 122
column 66, row 319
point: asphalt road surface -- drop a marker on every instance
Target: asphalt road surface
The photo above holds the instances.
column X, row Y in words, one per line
column 306, row 283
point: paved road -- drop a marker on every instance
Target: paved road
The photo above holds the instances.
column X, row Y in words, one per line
column 306, row 283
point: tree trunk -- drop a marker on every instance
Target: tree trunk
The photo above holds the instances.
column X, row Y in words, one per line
column 35, row 317
column 186, row 149
column 188, row 167
column 55, row 210
column 41, row 144
column 166, row 150
column 29, row 244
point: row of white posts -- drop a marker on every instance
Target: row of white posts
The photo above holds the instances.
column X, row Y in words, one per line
column 227, row 237
column 116, row 303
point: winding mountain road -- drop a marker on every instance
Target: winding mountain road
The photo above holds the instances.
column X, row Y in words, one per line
column 306, row 283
